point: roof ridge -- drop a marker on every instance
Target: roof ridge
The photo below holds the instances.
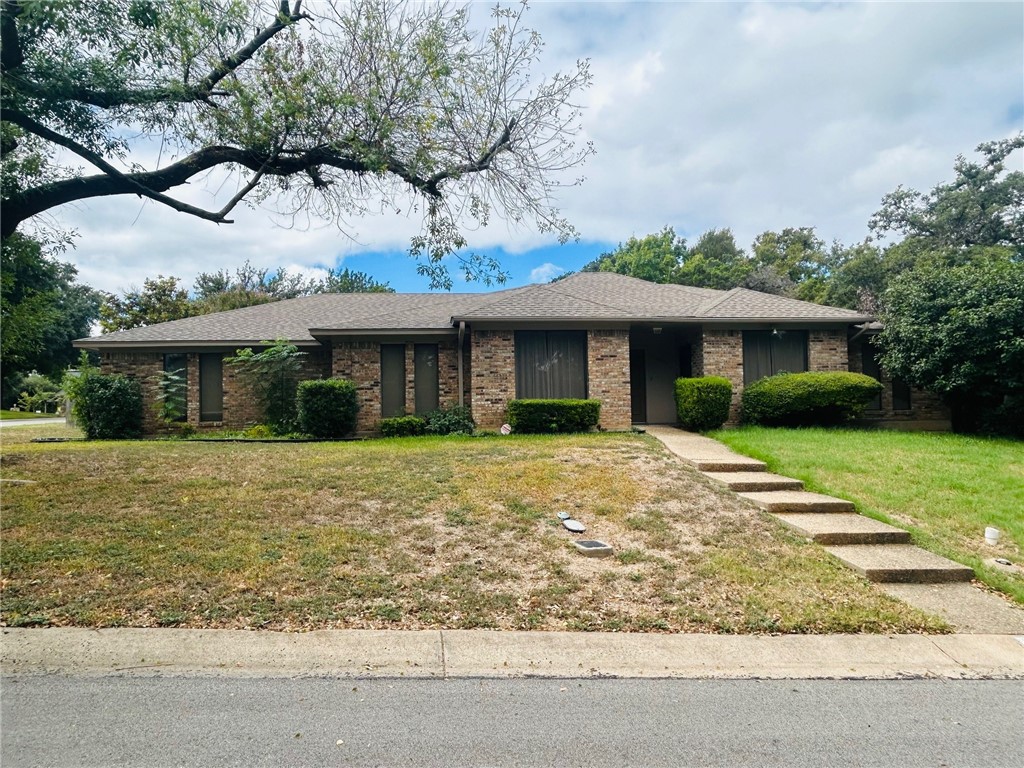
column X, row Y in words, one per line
column 576, row 296
column 705, row 308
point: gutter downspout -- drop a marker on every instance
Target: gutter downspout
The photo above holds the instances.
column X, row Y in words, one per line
column 863, row 329
column 462, row 391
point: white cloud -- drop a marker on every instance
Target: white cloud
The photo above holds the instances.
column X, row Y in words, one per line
column 545, row 273
column 751, row 116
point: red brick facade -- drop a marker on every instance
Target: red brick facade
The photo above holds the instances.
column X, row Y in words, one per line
column 608, row 376
column 489, row 377
column 926, row 412
column 493, row 365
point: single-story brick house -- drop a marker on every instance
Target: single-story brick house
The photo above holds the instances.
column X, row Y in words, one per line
column 594, row 334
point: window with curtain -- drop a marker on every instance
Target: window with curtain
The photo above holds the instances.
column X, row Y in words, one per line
column 766, row 353
column 425, row 365
column 551, row 364
column 870, row 366
column 392, row 380
column 211, row 387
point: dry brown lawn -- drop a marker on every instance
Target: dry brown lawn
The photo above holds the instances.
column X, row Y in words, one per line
column 414, row 533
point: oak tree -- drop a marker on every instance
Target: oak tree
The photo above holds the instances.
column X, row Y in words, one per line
column 331, row 112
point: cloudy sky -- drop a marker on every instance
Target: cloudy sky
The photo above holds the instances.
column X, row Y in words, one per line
column 752, row 116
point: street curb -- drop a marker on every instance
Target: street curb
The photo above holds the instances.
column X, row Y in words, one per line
column 446, row 654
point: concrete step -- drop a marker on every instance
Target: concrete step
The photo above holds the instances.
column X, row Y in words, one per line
column 725, row 462
column 902, row 563
column 756, row 481
column 797, row 501
column 842, row 528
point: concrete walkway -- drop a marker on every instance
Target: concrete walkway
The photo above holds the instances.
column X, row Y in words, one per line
column 881, row 553
column 482, row 654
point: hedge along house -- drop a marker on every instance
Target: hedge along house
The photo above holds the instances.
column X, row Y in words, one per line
column 600, row 335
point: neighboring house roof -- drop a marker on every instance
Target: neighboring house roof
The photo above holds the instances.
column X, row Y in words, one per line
column 583, row 297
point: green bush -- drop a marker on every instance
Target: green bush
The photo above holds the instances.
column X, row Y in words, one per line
column 403, row 426
column 540, row 416
column 109, row 407
column 456, row 420
column 703, row 404
column 327, row 407
column 805, row 399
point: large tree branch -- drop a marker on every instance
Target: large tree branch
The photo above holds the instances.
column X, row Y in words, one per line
column 480, row 164
column 152, row 184
column 285, row 18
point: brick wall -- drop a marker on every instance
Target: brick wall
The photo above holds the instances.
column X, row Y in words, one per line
column 492, row 366
column 722, row 355
column 827, row 350
column 359, row 362
column 144, row 366
column 240, row 408
column 608, row 376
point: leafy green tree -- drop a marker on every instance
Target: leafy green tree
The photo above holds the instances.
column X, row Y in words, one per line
column 159, row 300
column 655, row 257
column 960, row 332
column 859, row 278
column 794, row 261
column 982, row 207
column 335, row 111
column 218, row 291
column 351, row 281
column 714, row 261
column 273, row 375
column 42, row 310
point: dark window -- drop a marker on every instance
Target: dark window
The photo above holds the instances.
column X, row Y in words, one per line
column 211, row 387
column 392, row 380
column 551, row 364
column 425, row 362
column 900, row 395
column 900, row 389
column 175, row 384
column 869, row 363
column 766, row 353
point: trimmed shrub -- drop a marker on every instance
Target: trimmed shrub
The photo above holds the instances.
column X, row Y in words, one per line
column 806, row 399
column 327, row 407
column 109, row 407
column 703, row 404
column 456, row 420
column 403, row 426
column 546, row 416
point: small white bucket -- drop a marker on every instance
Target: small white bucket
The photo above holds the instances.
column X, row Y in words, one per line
column 991, row 535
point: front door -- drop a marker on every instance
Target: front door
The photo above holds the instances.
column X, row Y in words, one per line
column 638, row 385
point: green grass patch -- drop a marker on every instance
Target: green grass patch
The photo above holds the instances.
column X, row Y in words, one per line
column 7, row 415
column 408, row 533
column 944, row 488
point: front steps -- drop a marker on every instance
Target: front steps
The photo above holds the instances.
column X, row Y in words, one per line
column 842, row 528
column 797, row 501
column 880, row 552
column 902, row 563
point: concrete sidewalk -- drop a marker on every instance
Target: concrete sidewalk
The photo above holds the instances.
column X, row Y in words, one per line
column 482, row 654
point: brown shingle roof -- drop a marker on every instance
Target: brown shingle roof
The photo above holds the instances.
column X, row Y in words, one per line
column 585, row 296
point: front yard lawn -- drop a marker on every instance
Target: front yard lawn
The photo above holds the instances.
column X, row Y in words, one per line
column 412, row 533
column 944, row 488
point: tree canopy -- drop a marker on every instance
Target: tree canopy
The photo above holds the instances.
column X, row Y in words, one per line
column 163, row 298
column 42, row 310
column 334, row 112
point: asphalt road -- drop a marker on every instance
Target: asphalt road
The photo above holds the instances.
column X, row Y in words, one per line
column 107, row 721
